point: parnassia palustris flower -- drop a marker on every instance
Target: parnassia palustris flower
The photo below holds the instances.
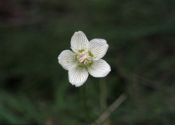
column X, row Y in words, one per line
column 84, row 59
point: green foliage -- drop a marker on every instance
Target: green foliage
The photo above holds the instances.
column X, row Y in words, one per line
column 34, row 88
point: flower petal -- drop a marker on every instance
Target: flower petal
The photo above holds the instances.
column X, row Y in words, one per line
column 78, row 76
column 79, row 41
column 99, row 68
column 67, row 59
column 98, row 48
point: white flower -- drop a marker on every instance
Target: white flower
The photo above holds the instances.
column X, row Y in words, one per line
column 84, row 59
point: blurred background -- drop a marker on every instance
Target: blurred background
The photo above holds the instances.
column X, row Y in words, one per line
column 34, row 88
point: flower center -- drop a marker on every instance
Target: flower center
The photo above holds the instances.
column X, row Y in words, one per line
column 84, row 58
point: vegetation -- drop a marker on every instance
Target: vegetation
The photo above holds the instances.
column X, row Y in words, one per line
column 34, row 88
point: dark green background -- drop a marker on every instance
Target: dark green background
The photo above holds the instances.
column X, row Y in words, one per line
column 34, row 88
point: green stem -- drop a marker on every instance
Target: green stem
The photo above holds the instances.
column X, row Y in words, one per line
column 103, row 99
column 85, row 103
column 103, row 95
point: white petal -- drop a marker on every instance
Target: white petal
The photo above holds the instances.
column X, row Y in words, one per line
column 78, row 76
column 98, row 48
column 67, row 59
column 79, row 41
column 99, row 68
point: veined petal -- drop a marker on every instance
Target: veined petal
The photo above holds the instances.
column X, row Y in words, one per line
column 67, row 59
column 78, row 76
column 98, row 48
column 99, row 68
column 79, row 41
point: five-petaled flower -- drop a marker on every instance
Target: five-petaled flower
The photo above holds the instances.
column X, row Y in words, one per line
column 84, row 59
